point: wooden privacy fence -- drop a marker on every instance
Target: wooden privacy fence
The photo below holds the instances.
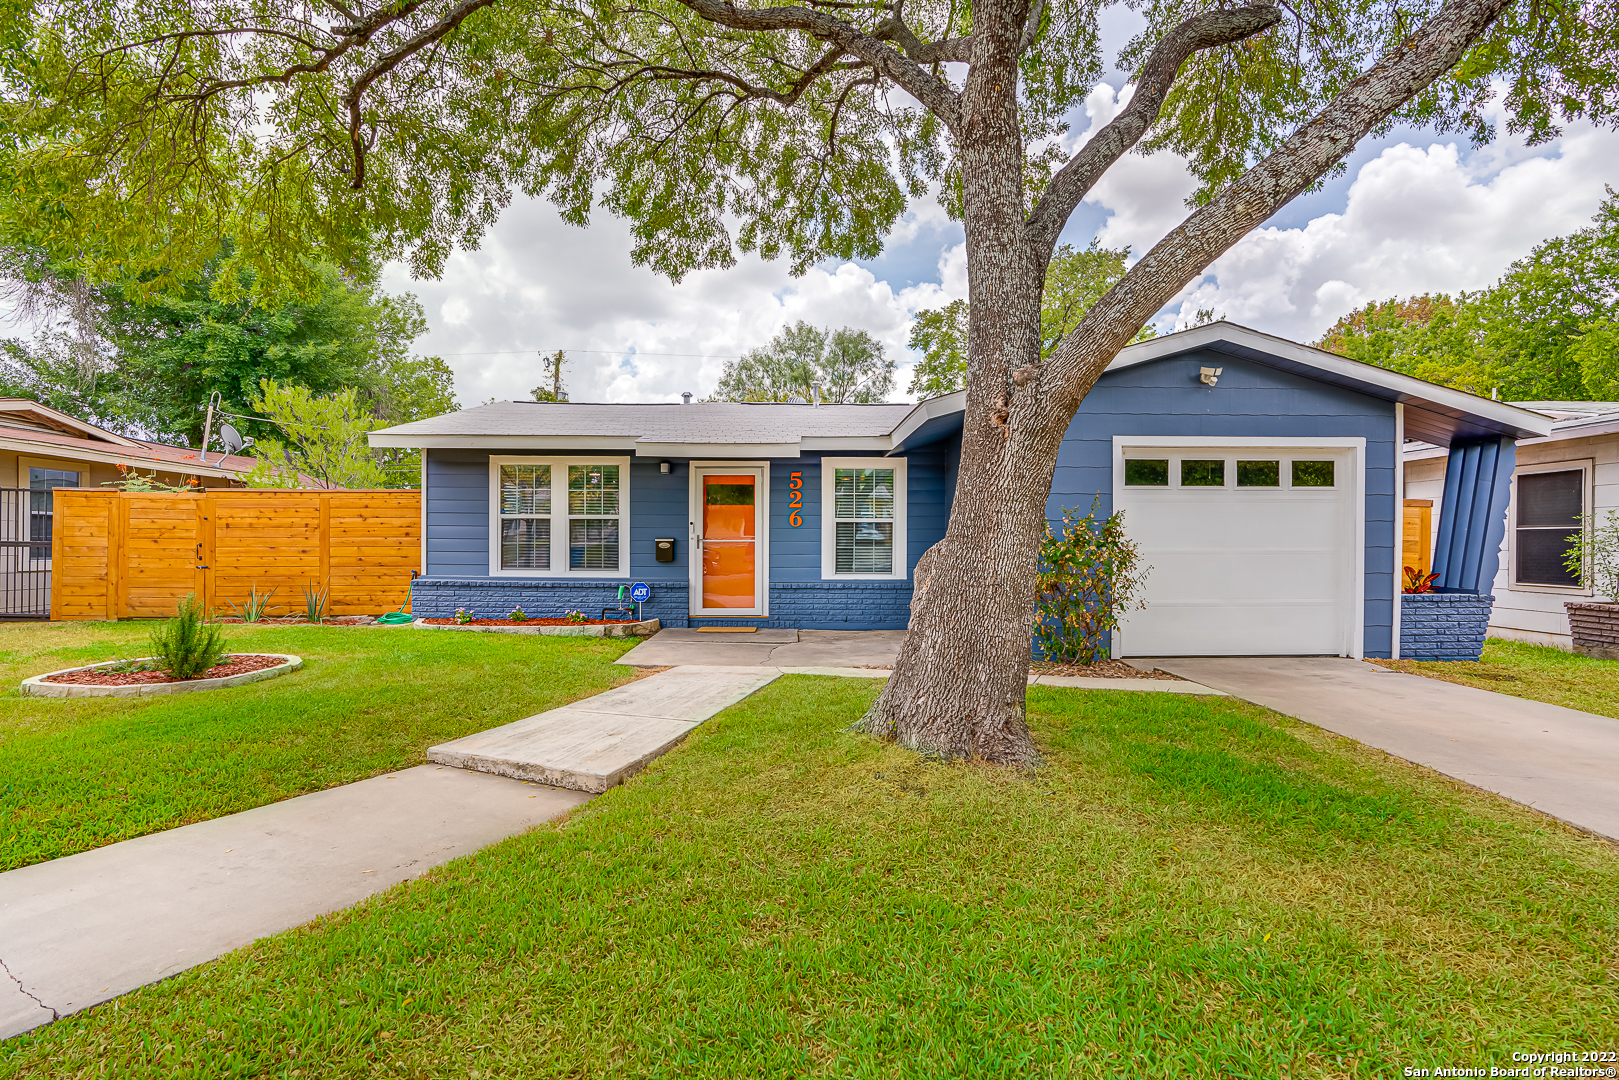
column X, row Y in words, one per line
column 124, row 554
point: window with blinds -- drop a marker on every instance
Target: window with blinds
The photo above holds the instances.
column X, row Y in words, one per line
column 863, row 508
column 525, row 517
column 1547, row 523
column 593, row 517
column 541, row 503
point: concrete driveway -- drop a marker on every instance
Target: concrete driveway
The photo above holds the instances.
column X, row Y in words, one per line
column 1560, row 761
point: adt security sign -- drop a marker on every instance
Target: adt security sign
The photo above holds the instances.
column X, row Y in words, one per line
column 640, row 592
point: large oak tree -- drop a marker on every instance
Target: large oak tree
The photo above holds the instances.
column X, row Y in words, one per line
column 139, row 136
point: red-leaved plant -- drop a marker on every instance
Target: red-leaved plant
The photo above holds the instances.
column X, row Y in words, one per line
column 1418, row 582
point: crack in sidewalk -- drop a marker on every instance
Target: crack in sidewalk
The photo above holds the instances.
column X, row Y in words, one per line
column 25, row 992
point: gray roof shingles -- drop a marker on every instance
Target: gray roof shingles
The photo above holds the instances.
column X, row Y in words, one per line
column 700, row 422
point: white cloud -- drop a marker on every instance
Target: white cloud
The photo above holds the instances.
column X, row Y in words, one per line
column 1416, row 219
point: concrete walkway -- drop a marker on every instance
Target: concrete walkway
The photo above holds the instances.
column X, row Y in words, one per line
column 1560, row 761
column 768, row 648
column 77, row 931
column 596, row 743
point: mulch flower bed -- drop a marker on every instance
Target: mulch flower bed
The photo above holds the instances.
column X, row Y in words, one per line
column 529, row 622
column 1102, row 669
column 232, row 665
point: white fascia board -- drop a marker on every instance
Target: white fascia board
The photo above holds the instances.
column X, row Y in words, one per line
column 1575, row 431
column 1408, row 388
column 1425, row 452
column 112, row 457
column 24, row 405
column 927, row 410
column 716, row 450
column 846, row 442
column 503, row 442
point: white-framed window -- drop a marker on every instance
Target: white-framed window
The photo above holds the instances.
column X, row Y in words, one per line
column 559, row 516
column 1547, row 502
column 863, row 518
column 41, row 516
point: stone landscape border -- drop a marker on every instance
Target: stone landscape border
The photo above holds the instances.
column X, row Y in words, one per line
column 644, row 628
column 38, row 687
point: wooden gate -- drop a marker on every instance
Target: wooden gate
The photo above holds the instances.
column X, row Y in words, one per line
column 124, row 554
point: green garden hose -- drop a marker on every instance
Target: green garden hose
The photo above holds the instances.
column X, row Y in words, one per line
column 396, row 618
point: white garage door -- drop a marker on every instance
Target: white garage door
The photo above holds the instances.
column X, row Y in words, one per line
column 1253, row 549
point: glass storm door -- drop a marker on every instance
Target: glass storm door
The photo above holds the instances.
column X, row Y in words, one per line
column 728, row 505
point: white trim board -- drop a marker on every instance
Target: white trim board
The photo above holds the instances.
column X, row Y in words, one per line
column 829, row 467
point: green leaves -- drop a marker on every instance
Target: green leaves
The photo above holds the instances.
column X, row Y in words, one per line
column 1090, row 574
column 844, row 367
column 323, row 438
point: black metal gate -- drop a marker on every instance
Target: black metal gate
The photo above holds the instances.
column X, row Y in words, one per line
column 25, row 553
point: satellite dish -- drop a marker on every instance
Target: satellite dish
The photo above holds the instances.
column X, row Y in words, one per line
column 231, row 438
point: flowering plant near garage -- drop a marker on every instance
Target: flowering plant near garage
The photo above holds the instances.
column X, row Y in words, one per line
column 1090, row 574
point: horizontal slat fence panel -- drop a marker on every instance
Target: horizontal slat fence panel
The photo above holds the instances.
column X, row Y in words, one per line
column 138, row 554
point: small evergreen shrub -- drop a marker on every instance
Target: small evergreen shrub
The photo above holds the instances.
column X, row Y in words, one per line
column 187, row 645
column 1090, row 574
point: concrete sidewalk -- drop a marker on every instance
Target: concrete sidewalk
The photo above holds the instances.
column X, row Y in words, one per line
column 1560, row 761
column 601, row 741
column 77, row 931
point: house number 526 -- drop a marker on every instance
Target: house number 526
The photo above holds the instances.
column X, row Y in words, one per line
column 795, row 490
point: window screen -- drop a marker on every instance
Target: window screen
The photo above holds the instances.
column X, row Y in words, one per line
column 863, row 508
column 1549, row 509
column 593, row 517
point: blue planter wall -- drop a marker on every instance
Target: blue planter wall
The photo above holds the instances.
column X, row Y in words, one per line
column 1444, row 626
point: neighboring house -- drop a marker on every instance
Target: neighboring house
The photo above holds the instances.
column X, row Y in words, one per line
column 1571, row 471
column 42, row 449
column 1258, row 475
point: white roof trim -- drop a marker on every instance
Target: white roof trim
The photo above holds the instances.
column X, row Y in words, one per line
column 504, row 442
column 1403, row 385
column 931, row 409
column 90, row 431
column 716, row 450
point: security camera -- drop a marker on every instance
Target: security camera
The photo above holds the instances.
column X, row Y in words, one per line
column 1209, row 375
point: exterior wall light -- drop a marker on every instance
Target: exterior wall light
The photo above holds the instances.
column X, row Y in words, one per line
column 1209, row 375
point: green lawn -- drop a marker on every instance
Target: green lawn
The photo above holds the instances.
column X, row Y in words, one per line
column 1537, row 672
column 78, row 773
column 1189, row 887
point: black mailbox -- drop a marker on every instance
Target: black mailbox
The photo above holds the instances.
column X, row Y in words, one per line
column 665, row 548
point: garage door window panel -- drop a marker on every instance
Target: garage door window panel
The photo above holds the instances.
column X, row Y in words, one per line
column 1146, row 472
column 1316, row 474
column 1262, row 474
column 1203, row 472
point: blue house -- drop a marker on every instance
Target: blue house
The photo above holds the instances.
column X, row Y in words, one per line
column 1259, row 477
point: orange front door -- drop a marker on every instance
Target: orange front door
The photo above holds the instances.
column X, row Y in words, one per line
column 730, row 541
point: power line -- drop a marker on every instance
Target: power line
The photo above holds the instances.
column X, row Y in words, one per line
column 600, row 352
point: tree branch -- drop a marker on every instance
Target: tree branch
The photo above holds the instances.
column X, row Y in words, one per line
column 1031, row 28
column 904, row 72
column 1407, row 70
column 923, row 52
column 386, row 63
column 1076, row 178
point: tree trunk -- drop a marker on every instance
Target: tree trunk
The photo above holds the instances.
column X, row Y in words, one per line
column 959, row 683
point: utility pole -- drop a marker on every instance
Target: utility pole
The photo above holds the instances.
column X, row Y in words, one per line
column 552, row 366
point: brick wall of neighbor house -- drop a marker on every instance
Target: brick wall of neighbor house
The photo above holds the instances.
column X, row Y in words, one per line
column 1164, row 398
column 458, row 546
column 1444, row 626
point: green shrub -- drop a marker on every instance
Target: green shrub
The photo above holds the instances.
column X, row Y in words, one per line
column 1090, row 573
column 186, row 645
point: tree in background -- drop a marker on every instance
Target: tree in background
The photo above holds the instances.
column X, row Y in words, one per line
column 552, row 366
column 1544, row 332
column 139, row 135
column 319, row 438
column 849, row 366
column 142, row 361
column 1074, row 281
